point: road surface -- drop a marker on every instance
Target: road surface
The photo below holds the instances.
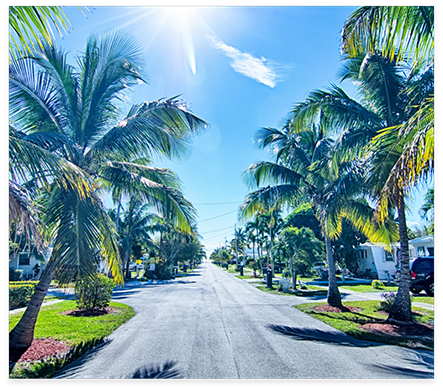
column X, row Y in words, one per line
column 215, row 326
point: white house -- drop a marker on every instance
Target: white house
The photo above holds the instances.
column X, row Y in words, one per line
column 421, row 247
column 376, row 262
column 381, row 264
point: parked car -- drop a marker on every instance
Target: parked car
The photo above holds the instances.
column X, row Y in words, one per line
column 422, row 275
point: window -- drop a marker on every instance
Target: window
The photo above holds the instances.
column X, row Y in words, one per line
column 431, row 251
column 388, row 257
column 363, row 254
column 23, row 259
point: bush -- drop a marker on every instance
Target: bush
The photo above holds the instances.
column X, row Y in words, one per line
column 15, row 274
column 377, row 284
column 286, row 273
column 94, row 293
column 163, row 271
column 20, row 293
column 388, row 301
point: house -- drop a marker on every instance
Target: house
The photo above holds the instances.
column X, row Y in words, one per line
column 31, row 262
column 375, row 262
column 421, row 247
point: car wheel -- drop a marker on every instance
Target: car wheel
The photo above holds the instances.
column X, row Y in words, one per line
column 430, row 289
column 415, row 290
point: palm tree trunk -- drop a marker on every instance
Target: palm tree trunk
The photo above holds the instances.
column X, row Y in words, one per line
column 401, row 309
column 294, row 274
column 334, row 298
column 22, row 335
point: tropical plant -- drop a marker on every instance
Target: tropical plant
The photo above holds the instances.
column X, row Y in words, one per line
column 30, row 26
column 373, row 130
column 427, row 210
column 133, row 228
column 300, row 246
column 394, row 31
column 72, row 116
column 306, row 168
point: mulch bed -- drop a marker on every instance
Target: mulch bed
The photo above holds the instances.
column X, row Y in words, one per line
column 42, row 348
column 416, row 330
column 79, row 312
column 328, row 308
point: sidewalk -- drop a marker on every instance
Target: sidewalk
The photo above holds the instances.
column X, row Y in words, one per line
column 17, row 310
column 376, row 296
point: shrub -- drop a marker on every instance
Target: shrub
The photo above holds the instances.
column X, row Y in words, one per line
column 286, row 273
column 15, row 274
column 377, row 284
column 20, row 294
column 388, row 301
column 94, row 293
column 163, row 271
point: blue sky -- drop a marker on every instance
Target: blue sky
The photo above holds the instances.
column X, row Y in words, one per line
column 239, row 68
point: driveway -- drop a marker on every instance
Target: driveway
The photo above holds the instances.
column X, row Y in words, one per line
column 215, row 326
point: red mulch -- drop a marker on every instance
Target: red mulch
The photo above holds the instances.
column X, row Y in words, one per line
column 42, row 348
column 328, row 308
column 397, row 331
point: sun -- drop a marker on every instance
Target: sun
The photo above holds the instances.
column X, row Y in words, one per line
column 182, row 17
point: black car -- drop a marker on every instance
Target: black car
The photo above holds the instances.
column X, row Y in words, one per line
column 422, row 275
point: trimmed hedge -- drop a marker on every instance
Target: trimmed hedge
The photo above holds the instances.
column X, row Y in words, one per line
column 20, row 293
column 94, row 293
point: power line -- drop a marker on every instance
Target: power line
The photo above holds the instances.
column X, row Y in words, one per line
column 219, row 203
column 216, row 236
column 224, row 214
column 216, row 230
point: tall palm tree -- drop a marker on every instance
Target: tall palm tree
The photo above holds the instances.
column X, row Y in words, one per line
column 380, row 129
column 74, row 115
column 305, row 168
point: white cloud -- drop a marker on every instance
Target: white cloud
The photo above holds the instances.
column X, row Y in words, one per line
column 258, row 69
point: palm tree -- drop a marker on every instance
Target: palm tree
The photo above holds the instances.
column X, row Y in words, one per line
column 299, row 246
column 73, row 115
column 306, row 168
column 381, row 129
column 133, row 228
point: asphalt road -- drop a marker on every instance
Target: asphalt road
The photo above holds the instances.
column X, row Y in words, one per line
column 215, row 326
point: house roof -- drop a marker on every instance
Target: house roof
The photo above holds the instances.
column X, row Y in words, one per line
column 424, row 239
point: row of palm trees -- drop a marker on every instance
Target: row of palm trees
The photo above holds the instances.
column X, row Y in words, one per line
column 357, row 159
column 70, row 143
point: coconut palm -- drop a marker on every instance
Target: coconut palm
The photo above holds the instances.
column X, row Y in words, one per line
column 74, row 115
column 381, row 130
column 134, row 227
column 306, row 168
column 299, row 245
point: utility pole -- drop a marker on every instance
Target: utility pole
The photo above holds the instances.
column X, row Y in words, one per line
column 236, row 245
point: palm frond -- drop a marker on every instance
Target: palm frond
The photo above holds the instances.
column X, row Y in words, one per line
column 396, row 31
column 157, row 128
column 84, row 234
column 267, row 198
column 154, row 186
column 263, row 172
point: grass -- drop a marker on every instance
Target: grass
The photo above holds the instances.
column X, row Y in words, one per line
column 82, row 333
column 350, row 322
column 311, row 291
column 363, row 288
column 423, row 299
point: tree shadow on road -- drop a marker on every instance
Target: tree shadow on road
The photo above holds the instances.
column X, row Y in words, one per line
column 320, row 336
column 165, row 371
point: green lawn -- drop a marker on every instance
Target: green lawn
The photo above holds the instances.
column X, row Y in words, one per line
column 423, row 299
column 80, row 332
column 363, row 288
column 369, row 312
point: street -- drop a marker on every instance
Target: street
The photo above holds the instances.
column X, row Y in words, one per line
column 215, row 326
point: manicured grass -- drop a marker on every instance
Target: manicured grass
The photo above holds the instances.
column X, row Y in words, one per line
column 423, row 299
column 363, row 288
column 311, row 291
column 350, row 322
column 80, row 332
column 52, row 323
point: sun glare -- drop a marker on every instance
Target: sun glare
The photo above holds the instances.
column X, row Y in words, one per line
column 182, row 17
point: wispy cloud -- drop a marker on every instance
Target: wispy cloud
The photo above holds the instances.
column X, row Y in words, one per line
column 258, row 69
